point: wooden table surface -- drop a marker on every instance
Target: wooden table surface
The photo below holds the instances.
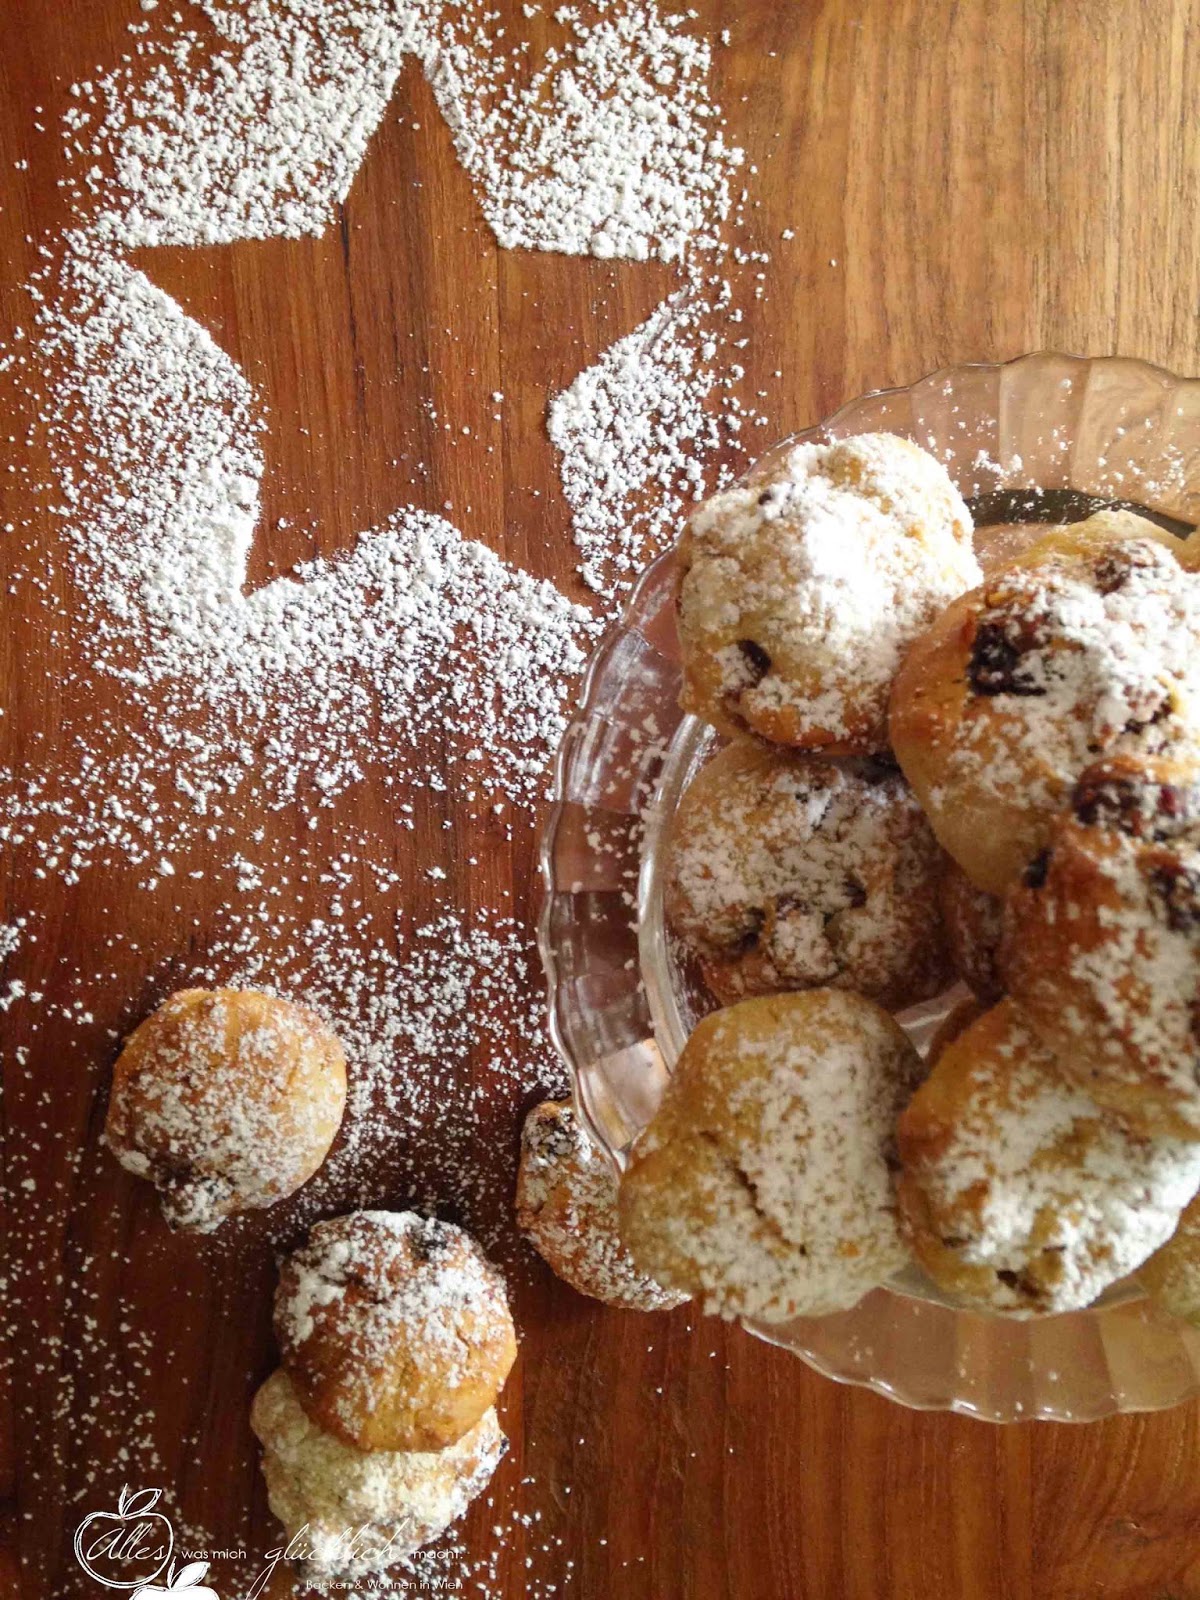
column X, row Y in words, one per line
column 965, row 180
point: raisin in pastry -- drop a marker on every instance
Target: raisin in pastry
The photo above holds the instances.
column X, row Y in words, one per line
column 785, row 872
column 1102, row 942
column 227, row 1100
column 394, row 1330
column 1034, row 676
column 801, row 588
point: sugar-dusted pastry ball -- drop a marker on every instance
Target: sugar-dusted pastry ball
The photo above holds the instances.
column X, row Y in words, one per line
column 1026, row 681
column 395, row 1330
column 762, row 1185
column 567, row 1209
column 1018, row 1192
column 351, row 1513
column 973, row 922
column 227, row 1100
column 1171, row 1277
column 800, row 591
column 1102, row 942
column 786, row 871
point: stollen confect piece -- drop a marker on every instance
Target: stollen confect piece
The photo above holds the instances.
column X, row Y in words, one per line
column 1102, row 942
column 786, row 871
column 227, row 1100
column 801, row 588
column 1018, row 1192
column 350, row 1514
column 1026, row 681
column 763, row 1183
column 394, row 1330
column 567, row 1209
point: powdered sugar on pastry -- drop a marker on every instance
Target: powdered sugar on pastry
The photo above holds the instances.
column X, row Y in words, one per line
column 567, row 1209
column 1103, row 947
column 395, row 1329
column 762, row 1184
column 1101, row 657
column 792, row 872
column 1018, row 1191
column 801, row 589
column 227, row 1100
column 353, row 1513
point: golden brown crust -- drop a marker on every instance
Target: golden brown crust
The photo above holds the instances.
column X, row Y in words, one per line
column 990, row 836
column 1023, row 683
column 1171, row 1277
column 394, row 1330
column 953, row 1024
column 1102, row 944
column 1017, row 1192
column 567, row 1209
column 227, row 1099
column 1092, row 534
column 799, row 591
column 762, row 1185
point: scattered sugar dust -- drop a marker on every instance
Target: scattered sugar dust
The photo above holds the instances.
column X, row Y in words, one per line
column 418, row 653
column 636, row 433
column 611, row 145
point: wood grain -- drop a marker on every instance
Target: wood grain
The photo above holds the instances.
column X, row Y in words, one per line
column 964, row 180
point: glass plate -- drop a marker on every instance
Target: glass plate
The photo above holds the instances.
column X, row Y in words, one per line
column 1047, row 438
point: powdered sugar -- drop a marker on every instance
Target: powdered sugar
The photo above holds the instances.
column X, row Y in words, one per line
column 790, row 873
column 634, row 432
column 567, row 1208
column 259, row 137
column 827, row 565
column 1075, row 660
column 227, row 1101
column 350, row 1513
column 611, row 147
column 1032, row 1173
column 329, row 653
column 762, row 1183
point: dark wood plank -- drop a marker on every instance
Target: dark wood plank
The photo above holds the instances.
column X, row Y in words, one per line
column 965, row 181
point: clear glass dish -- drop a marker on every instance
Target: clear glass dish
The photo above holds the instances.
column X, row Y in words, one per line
column 1047, row 438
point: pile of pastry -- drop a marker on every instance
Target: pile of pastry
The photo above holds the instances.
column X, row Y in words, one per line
column 379, row 1427
column 395, row 1338
column 932, row 774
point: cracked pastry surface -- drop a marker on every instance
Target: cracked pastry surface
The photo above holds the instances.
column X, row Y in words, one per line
column 1102, row 942
column 394, row 1329
column 354, row 1513
column 762, row 1185
column 1018, row 1192
column 787, row 872
column 800, row 590
column 227, row 1100
column 567, row 1209
column 1032, row 677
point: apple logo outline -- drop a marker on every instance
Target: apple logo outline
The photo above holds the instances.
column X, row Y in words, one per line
column 138, row 1505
